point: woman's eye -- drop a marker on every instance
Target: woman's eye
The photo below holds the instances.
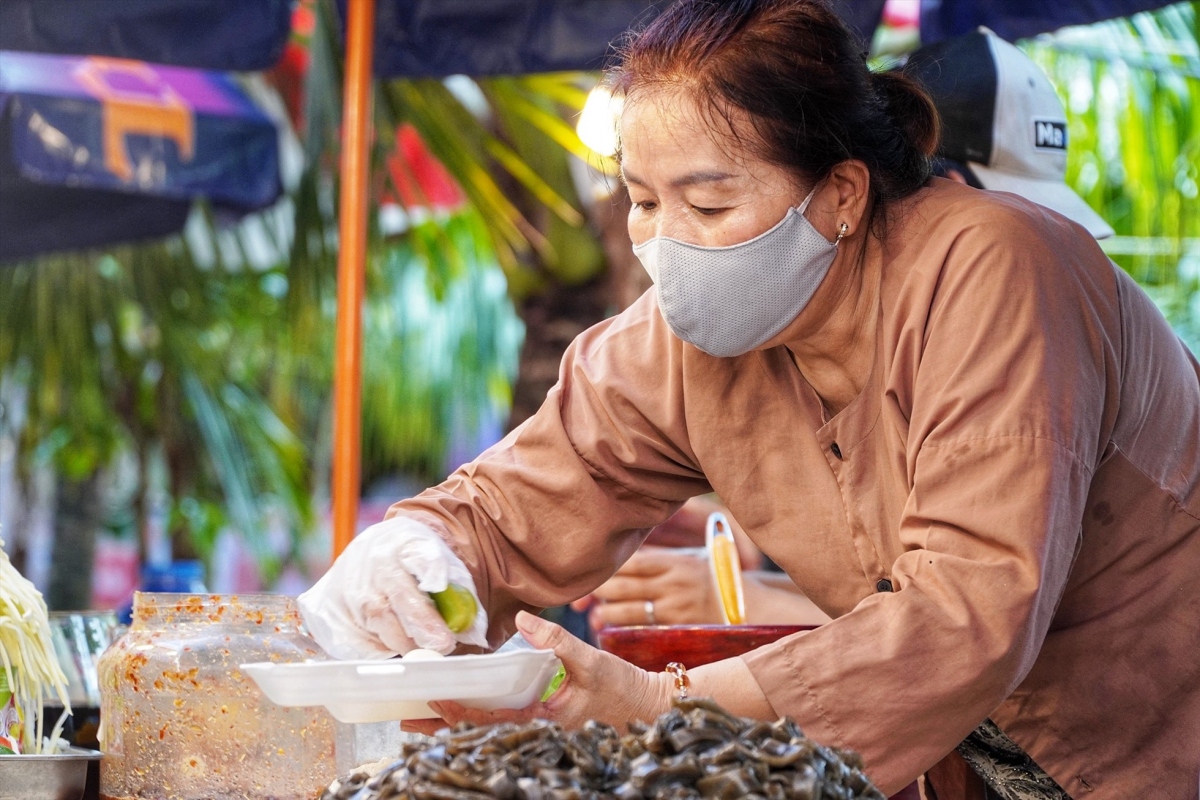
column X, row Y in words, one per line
column 646, row 205
column 708, row 212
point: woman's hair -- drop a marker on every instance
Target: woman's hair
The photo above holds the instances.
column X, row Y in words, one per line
column 801, row 77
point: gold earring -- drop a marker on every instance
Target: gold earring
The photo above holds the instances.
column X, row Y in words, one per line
column 843, row 229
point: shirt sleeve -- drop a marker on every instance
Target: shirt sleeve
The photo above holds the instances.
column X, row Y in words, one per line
column 1007, row 379
column 550, row 512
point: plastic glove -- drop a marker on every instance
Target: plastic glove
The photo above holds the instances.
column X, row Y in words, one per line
column 374, row 602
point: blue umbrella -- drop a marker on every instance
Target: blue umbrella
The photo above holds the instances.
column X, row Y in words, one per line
column 237, row 35
column 415, row 38
column 442, row 37
column 1015, row 19
column 510, row 37
column 97, row 150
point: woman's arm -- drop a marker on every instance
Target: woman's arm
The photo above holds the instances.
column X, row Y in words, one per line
column 549, row 513
column 600, row 686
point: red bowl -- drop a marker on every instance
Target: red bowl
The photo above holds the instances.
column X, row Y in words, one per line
column 652, row 647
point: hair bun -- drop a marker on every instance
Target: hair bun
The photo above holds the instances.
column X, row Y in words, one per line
column 911, row 110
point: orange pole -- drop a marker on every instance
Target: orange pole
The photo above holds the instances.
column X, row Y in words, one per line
column 357, row 124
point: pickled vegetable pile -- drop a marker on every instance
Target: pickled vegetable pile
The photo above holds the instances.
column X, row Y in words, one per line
column 695, row 750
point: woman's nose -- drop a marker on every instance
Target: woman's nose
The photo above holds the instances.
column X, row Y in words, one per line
column 664, row 225
column 642, row 231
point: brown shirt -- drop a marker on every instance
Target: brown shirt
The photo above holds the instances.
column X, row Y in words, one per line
column 1023, row 466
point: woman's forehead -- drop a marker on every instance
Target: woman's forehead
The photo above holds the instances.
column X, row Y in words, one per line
column 664, row 129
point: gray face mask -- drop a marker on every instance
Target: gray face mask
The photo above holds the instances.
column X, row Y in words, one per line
column 730, row 300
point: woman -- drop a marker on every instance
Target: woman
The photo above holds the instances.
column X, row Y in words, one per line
column 987, row 115
column 962, row 431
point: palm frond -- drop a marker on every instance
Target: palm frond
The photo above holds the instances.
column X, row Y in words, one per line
column 1131, row 88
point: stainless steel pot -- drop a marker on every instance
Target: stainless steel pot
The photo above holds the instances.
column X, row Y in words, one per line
column 62, row 776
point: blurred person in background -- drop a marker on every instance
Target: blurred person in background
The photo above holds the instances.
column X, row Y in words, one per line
column 1003, row 127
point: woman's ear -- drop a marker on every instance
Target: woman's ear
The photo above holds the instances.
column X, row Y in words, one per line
column 842, row 198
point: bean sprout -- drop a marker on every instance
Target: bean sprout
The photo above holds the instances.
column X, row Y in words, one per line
column 27, row 656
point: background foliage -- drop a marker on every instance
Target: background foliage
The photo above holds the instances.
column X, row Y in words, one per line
column 200, row 367
column 1131, row 88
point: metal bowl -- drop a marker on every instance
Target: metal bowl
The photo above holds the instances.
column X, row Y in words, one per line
column 61, row 776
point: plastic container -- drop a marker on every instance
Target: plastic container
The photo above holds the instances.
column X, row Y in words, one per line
column 79, row 638
column 182, row 722
column 399, row 689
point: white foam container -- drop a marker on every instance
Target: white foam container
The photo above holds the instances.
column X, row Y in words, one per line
column 397, row 689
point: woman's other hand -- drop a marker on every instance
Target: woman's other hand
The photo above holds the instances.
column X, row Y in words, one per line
column 598, row 686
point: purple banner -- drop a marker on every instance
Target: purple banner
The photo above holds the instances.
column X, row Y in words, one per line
column 122, row 80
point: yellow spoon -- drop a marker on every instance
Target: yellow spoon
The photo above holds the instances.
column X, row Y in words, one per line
column 726, row 568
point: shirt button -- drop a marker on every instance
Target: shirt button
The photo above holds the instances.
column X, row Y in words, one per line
column 837, row 451
column 884, row 585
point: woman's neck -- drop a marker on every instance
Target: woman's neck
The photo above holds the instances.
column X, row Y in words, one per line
column 834, row 347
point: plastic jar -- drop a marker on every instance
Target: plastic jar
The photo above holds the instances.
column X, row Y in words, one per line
column 179, row 720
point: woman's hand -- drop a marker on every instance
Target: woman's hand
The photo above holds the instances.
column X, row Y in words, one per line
column 677, row 582
column 598, row 686
column 375, row 601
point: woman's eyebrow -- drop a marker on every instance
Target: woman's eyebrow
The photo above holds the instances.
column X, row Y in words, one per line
column 690, row 179
column 703, row 176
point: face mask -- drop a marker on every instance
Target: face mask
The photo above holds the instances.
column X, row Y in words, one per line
column 729, row 300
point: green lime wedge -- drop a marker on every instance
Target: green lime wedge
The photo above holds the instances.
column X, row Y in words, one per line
column 555, row 682
column 457, row 606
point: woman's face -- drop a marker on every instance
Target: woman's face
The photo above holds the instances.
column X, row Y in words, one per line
column 691, row 182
